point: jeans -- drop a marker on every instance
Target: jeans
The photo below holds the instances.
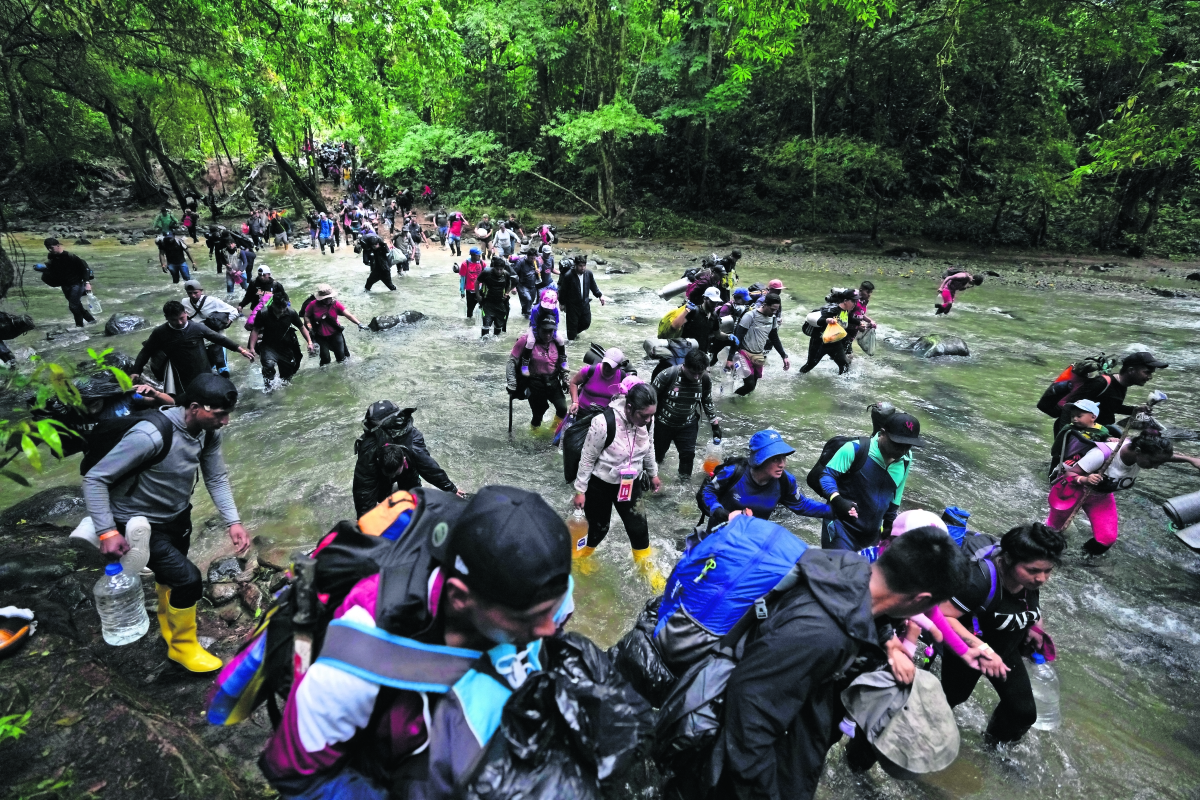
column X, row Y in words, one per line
column 335, row 344
column 1016, row 712
column 525, row 294
column 217, row 358
column 179, row 269
column 169, row 544
column 455, row 244
column 325, row 240
column 74, row 294
column 684, row 440
column 601, row 498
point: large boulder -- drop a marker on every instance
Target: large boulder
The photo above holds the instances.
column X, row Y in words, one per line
column 13, row 325
column 48, row 504
column 934, row 346
column 124, row 323
column 385, row 321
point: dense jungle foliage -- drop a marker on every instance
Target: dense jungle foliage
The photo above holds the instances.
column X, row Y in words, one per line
column 1065, row 123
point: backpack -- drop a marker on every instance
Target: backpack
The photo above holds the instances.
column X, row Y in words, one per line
column 827, row 453
column 1075, row 375
column 665, row 331
column 718, row 581
column 104, row 436
column 981, row 547
column 217, row 320
column 403, row 539
column 574, row 437
column 740, row 465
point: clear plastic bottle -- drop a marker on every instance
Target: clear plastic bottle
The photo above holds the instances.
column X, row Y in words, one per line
column 93, row 304
column 121, row 605
column 1045, row 694
column 577, row 524
column 713, row 456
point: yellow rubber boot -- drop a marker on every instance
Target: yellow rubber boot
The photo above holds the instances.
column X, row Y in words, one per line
column 164, row 625
column 583, row 557
column 184, row 649
column 642, row 560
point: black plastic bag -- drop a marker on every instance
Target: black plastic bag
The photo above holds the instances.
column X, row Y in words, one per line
column 569, row 732
column 124, row 323
column 639, row 660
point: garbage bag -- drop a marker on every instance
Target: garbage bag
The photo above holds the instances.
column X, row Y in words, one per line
column 123, row 323
column 640, row 661
column 866, row 340
column 13, row 325
column 571, row 731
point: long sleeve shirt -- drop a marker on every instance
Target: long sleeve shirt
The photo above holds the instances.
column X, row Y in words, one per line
column 163, row 491
column 760, row 499
column 632, row 447
column 758, row 331
column 680, row 398
column 184, row 348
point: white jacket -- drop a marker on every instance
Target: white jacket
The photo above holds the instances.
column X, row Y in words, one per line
column 630, row 446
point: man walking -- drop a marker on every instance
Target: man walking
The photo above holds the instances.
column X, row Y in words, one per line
column 682, row 391
column 575, row 292
column 184, row 343
column 212, row 313
column 70, row 273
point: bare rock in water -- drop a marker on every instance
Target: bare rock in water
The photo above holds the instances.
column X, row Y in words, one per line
column 1195, row 276
column 934, row 346
column 124, row 323
column 385, row 321
column 57, row 501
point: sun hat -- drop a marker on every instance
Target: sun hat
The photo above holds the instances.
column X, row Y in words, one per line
column 768, row 444
column 325, row 291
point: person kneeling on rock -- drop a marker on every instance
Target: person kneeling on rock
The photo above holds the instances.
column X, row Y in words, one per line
column 139, row 495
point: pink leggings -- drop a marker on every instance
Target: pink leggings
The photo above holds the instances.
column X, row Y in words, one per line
column 947, row 297
column 1101, row 510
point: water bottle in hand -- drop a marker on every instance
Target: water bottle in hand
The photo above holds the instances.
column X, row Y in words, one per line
column 1045, row 694
column 121, row 605
column 93, row 304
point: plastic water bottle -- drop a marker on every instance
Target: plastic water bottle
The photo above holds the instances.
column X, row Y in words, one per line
column 121, row 605
column 93, row 304
column 1045, row 694
column 713, row 456
column 577, row 524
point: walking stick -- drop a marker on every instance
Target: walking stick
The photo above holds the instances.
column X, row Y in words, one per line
column 510, row 401
column 1139, row 421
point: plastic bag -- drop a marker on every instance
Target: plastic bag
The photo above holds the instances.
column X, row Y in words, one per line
column 570, row 731
column 866, row 340
column 834, row 332
column 741, row 368
column 639, row 660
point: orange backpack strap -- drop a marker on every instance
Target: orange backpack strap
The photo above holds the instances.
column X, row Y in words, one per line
column 389, row 518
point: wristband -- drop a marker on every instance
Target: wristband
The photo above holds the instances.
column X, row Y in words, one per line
column 109, row 534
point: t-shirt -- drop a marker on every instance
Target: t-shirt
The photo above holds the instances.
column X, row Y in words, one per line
column 174, row 250
column 456, row 224
column 440, row 218
column 324, row 318
column 470, row 270
column 1004, row 625
column 504, row 237
column 543, row 359
column 758, row 331
column 413, row 229
column 1118, row 476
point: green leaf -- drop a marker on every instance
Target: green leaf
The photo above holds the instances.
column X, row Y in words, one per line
column 50, row 436
column 29, row 448
column 15, row 477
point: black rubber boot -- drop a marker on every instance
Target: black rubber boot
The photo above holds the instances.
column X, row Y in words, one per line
column 1093, row 548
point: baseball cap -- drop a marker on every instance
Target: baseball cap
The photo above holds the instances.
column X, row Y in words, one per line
column 613, row 357
column 1089, row 406
column 712, row 293
column 768, row 444
column 917, row 518
column 207, row 389
column 264, row 270
column 904, row 428
column 193, row 284
column 510, row 547
column 775, row 284
column 1143, row 359
column 742, row 294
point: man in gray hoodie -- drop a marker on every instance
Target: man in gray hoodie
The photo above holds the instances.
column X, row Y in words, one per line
column 151, row 473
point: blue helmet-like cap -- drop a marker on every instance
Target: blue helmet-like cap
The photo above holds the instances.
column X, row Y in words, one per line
column 474, row 252
column 741, row 294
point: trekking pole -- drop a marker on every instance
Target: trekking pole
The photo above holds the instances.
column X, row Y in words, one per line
column 304, row 618
column 510, row 402
column 1140, row 422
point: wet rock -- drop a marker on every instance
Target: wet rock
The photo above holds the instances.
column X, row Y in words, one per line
column 1167, row 292
column 124, row 323
column 992, row 273
column 62, row 335
column 82, row 240
column 13, row 325
column 934, row 346
column 1195, row 276
column 386, row 321
column 902, row 252
column 48, row 504
column 274, row 558
column 222, row 593
column 24, row 573
column 1099, row 268
column 225, row 570
column 795, row 248
column 252, row 597
column 231, row 613
column 600, row 261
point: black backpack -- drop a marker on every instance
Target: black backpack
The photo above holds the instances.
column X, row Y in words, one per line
column 101, row 439
column 827, row 452
column 740, row 465
column 574, row 437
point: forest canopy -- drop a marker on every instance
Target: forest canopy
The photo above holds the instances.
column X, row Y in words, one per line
column 1062, row 123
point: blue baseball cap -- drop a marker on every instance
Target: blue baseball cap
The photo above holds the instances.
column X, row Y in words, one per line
column 474, row 251
column 768, row 444
column 741, row 294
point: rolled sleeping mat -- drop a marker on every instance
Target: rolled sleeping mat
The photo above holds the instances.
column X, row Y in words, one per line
column 673, row 288
column 1183, row 510
column 1190, row 536
column 594, row 355
column 727, row 324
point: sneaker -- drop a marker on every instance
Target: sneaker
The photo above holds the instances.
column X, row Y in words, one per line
column 137, row 535
column 85, row 532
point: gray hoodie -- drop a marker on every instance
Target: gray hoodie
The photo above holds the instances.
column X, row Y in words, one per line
column 163, row 491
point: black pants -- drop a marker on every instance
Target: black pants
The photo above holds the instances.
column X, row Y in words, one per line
column 495, row 317
column 579, row 319
column 472, row 301
column 684, row 440
column 74, row 294
column 169, row 544
column 545, row 391
column 1016, row 712
column 601, row 498
column 817, row 350
column 335, row 344
column 384, row 276
column 287, row 364
column 217, row 358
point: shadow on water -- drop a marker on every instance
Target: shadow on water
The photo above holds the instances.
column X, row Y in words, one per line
column 1128, row 630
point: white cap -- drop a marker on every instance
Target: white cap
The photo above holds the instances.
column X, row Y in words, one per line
column 712, row 293
column 917, row 518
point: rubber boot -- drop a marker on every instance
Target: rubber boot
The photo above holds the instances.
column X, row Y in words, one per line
column 555, row 423
column 1093, row 548
column 184, row 649
column 164, row 624
column 583, row 558
column 644, row 564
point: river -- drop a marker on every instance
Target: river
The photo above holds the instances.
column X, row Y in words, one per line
column 1128, row 630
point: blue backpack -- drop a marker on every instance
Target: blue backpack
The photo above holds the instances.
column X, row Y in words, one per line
column 717, row 582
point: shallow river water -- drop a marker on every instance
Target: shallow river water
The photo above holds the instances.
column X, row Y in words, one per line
column 1128, row 631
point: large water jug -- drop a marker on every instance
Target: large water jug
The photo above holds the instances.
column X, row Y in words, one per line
column 93, row 304
column 1045, row 694
column 121, row 605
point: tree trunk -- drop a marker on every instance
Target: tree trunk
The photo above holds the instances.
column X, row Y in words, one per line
column 608, row 192
column 21, row 133
column 295, row 180
column 996, row 219
column 144, row 186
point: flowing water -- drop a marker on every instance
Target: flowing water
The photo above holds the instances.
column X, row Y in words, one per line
column 1128, row 631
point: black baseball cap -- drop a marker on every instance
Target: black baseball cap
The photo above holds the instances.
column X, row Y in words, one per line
column 215, row 391
column 904, row 429
column 511, row 548
column 1143, row 359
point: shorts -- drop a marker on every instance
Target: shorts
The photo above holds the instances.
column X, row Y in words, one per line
column 281, row 238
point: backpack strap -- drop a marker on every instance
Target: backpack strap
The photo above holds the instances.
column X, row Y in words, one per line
column 610, row 421
column 861, row 453
column 395, row 661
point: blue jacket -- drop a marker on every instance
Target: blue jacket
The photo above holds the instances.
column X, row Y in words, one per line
column 876, row 488
column 759, row 500
column 326, row 231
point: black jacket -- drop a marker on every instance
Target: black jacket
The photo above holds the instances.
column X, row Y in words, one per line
column 783, row 705
column 372, row 487
column 66, row 269
column 185, row 349
column 569, row 293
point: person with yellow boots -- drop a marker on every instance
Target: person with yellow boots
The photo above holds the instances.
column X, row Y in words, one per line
column 148, row 470
column 615, row 465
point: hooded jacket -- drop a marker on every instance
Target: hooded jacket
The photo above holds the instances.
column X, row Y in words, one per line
column 371, row 487
column 782, row 705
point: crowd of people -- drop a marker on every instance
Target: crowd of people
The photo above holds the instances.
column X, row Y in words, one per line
column 796, row 649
